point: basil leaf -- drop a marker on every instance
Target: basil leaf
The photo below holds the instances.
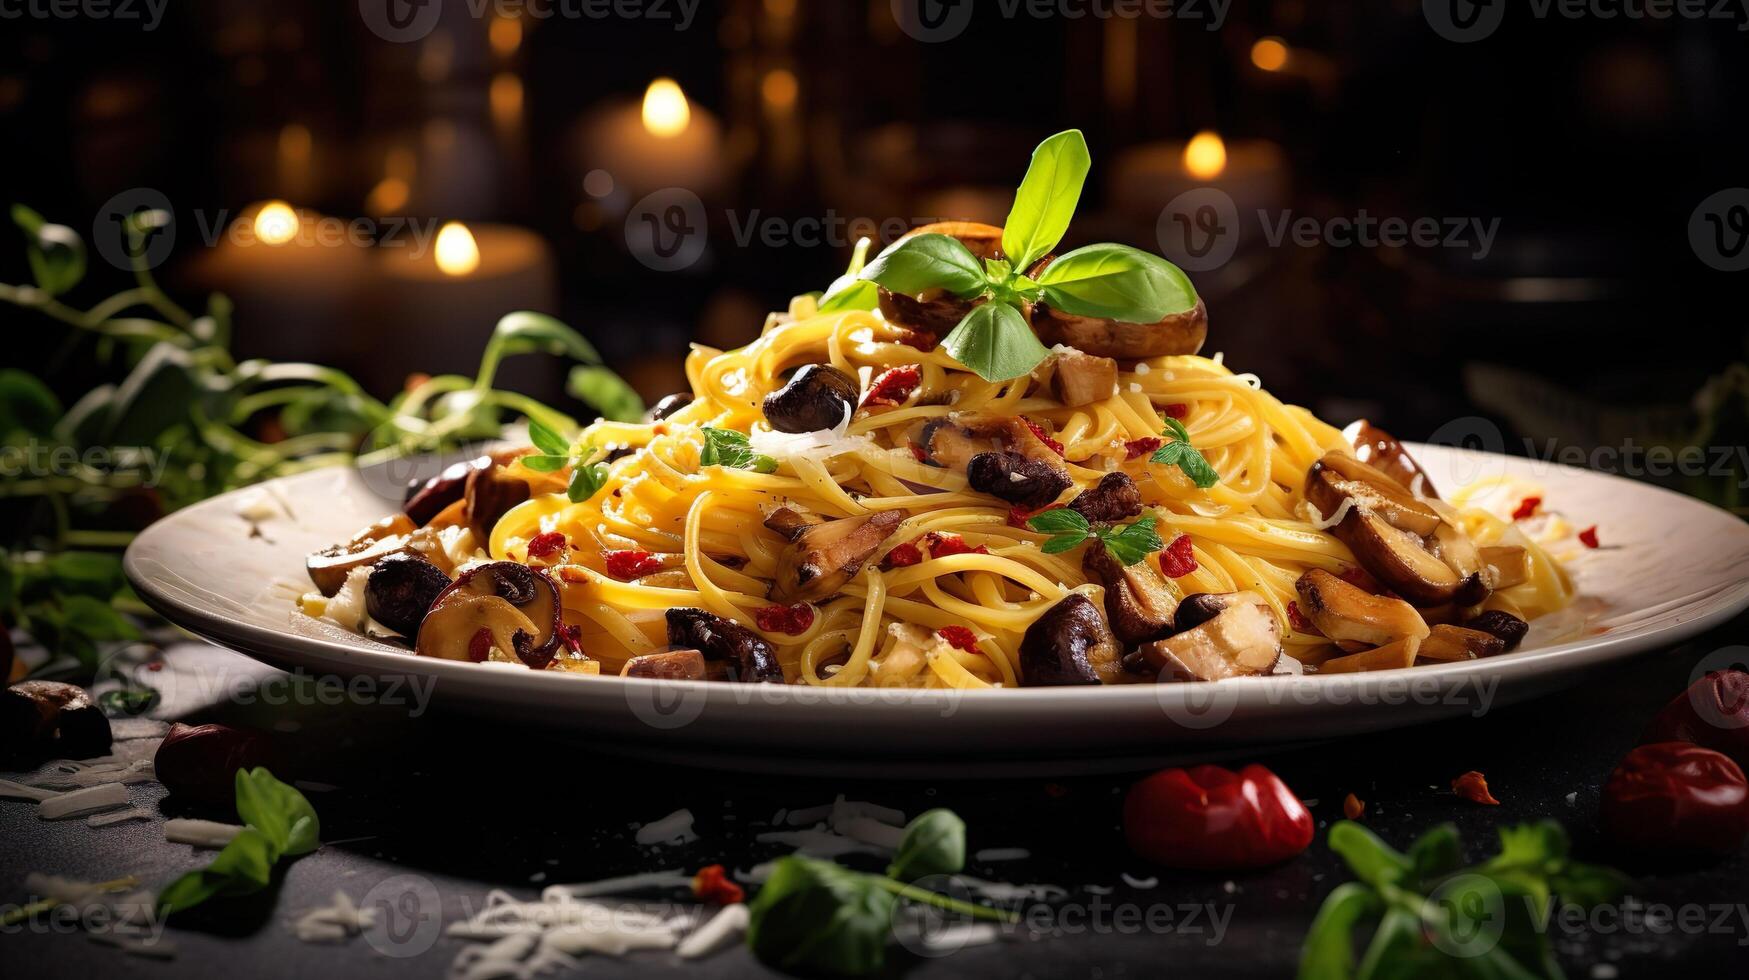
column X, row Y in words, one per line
column 730, row 448
column 527, row 332
column 995, row 342
column 1057, row 520
column 1117, row 282
column 813, row 916
column 1046, row 199
column 606, row 392
column 1131, row 544
column 934, row 844
column 1328, row 950
column 548, row 441
column 925, row 262
column 245, row 865
column 1371, row 859
column 854, row 294
column 586, row 481
column 1436, row 853
column 1180, row 453
column 278, row 811
column 544, row 463
column 1063, row 542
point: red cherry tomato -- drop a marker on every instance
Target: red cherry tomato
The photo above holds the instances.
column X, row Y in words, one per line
column 1713, row 712
column 1209, row 818
column 1675, row 799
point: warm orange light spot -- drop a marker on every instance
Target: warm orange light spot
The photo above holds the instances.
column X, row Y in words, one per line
column 276, row 223
column 779, row 88
column 506, row 97
column 389, row 196
column 1205, row 156
column 457, row 253
column 665, row 110
column 505, row 35
column 1269, row 53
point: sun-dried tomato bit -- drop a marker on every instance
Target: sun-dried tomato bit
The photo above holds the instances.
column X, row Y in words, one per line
column 893, row 386
column 629, row 564
column 1588, row 537
column 1019, row 515
column 1298, row 620
column 902, row 556
column 918, row 454
column 1178, row 410
column 1043, row 436
column 573, row 637
column 1137, row 448
column 942, row 545
column 1527, row 508
column 1473, row 786
column 1353, row 807
column 712, row 885
column 1178, row 559
column 959, row 636
column 792, row 620
column 480, row 645
column 547, row 545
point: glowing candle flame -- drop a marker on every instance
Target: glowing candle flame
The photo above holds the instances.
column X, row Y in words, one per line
column 1205, row 156
column 457, row 254
column 665, row 110
column 276, row 223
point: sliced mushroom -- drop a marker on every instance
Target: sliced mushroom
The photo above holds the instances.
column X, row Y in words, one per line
column 748, row 658
column 1242, row 639
column 1115, row 498
column 1391, row 656
column 1381, row 450
column 1082, row 379
column 1339, row 477
column 1177, row 333
column 936, row 312
column 1200, row 607
column 790, row 523
column 426, row 499
column 669, row 665
column 49, row 719
column 951, row 441
column 668, row 405
column 819, row 396
column 329, row 567
column 501, row 611
column 1012, row 477
column 1347, row 613
column 401, row 589
column 1508, row 565
column 1070, row 644
column 1457, row 643
column 491, row 491
column 822, row 557
column 1139, row 603
column 1503, row 626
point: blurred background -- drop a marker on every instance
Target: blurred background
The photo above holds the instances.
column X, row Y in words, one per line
column 372, row 184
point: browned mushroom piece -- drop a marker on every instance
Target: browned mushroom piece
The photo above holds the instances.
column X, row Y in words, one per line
column 1139, row 603
column 821, row 558
column 427, row 498
column 1114, row 498
column 789, row 523
column 669, row 665
column 491, row 492
column 1447, row 642
column 50, row 720
column 1503, row 626
column 400, row 591
column 1012, row 477
column 1400, row 540
column 936, row 312
column 1381, row 450
column 502, row 611
column 819, row 396
column 1082, row 379
column 1070, row 645
column 667, row 405
column 951, row 441
column 1392, row 656
column 1348, row 614
column 1177, row 333
column 1243, row 639
column 743, row 653
column 1508, row 565
column 329, row 567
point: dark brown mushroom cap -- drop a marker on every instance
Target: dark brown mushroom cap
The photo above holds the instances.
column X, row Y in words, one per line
column 50, row 719
column 427, row 498
column 668, row 405
column 935, row 313
column 819, row 396
column 748, row 657
column 1114, row 498
column 1069, row 645
column 1012, row 477
column 329, row 567
column 1503, row 626
column 1381, row 450
column 517, row 608
column 1139, row 603
column 1177, row 333
column 821, row 558
column 491, row 491
column 951, row 440
column 401, row 589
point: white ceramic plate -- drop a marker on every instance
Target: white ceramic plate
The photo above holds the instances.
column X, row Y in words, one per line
column 1670, row 568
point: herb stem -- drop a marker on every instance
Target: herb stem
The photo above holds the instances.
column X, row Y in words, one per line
column 943, row 902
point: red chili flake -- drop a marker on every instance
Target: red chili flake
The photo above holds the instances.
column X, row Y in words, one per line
column 959, row 636
column 1588, row 537
column 918, row 453
column 942, row 545
column 893, row 386
column 712, row 885
column 1526, row 508
column 793, row 620
column 1018, row 515
column 1178, row 410
column 573, row 637
column 1141, row 447
column 1473, row 786
column 1043, row 436
column 627, row 565
column 1178, row 560
column 480, row 645
column 1298, row 619
column 548, row 544
column 1353, row 807
column 902, row 556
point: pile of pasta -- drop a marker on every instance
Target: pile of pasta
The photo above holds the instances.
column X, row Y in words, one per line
column 1252, row 530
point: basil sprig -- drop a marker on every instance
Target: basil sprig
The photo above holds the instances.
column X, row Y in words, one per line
column 1127, row 543
column 1180, row 453
column 994, row 339
column 817, row 917
column 588, row 475
column 278, row 822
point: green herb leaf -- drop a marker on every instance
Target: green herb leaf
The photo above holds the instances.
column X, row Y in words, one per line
column 606, row 392
column 279, row 823
column 544, row 464
column 548, row 441
column 934, row 844
column 995, row 342
column 1133, row 543
column 1435, row 853
column 278, row 811
column 730, row 448
column 1328, row 950
column 848, row 292
column 586, row 481
column 56, row 253
column 1180, row 453
column 1046, row 199
column 925, row 262
column 1118, row 282
column 1058, row 520
column 1371, row 859
column 813, row 916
